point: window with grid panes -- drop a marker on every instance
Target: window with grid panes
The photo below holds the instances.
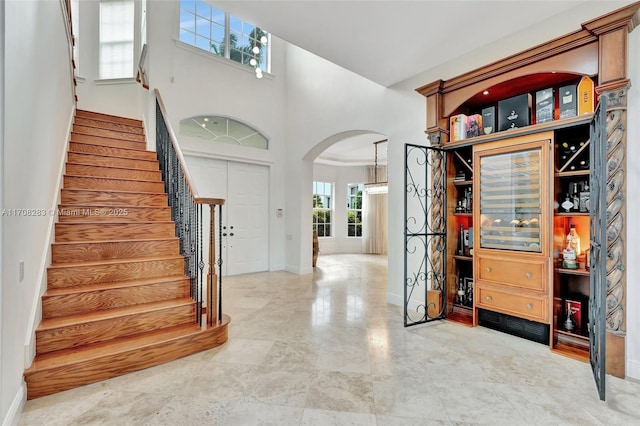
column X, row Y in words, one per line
column 354, row 210
column 209, row 28
column 322, row 208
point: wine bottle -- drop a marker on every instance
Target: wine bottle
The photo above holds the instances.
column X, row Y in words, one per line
column 575, row 197
column 564, row 152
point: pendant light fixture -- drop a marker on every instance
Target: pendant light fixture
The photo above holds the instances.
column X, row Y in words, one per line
column 376, row 187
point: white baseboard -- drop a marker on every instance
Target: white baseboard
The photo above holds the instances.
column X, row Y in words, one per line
column 633, row 369
column 299, row 270
column 36, row 308
column 16, row 407
column 395, row 299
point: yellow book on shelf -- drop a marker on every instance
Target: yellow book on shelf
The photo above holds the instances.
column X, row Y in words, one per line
column 585, row 96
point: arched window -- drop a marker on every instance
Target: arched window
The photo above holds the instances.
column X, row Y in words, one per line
column 224, row 130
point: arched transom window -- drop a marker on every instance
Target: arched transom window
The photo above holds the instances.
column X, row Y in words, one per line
column 224, row 130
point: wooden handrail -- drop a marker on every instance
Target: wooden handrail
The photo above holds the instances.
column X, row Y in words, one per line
column 183, row 164
column 142, row 76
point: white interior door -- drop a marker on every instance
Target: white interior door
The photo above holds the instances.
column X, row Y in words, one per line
column 245, row 233
column 246, row 219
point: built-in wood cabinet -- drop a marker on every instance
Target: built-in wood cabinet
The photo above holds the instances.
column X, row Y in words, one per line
column 536, row 286
column 511, row 256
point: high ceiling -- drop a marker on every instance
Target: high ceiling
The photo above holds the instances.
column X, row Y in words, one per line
column 391, row 41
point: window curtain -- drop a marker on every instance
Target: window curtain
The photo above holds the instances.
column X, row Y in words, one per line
column 374, row 216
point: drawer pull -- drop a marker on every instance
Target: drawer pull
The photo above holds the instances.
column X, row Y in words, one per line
column 529, row 306
column 489, row 298
column 528, row 275
column 488, row 269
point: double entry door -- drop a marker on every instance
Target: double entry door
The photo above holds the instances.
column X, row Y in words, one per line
column 245, row 226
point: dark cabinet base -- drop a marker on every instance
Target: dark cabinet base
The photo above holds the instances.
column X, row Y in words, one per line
column 530, row 330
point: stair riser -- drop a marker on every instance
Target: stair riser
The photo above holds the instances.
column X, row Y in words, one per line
column 97, row 160
column 73, row 276
column 71, row 196
column 108, row 125
column 109, row 118
column 115, row 143
column 107, row 329
column 110, row 172
column 89, row 301
column 106, row 133
column 112, row 231
column 80, row 252
column 106, row 184
column 46, row 382
column 113, row 214
column 112, row 151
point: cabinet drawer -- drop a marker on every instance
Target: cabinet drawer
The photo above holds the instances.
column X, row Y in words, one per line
column 526, row 275
column 524, row 306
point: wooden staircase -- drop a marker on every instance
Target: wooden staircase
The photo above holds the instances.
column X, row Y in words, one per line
column 117, row 297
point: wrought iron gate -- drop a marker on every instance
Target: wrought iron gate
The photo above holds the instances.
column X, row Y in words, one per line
column 425, row 234
column 598, row 246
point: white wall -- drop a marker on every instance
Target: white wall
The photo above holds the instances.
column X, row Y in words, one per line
column 3, row 412
column 325, row 101
column 195, row 83
column 340, row 177
column 116, row 97
column 38, row 107
column 633, row 200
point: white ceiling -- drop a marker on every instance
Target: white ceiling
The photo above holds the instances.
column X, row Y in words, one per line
column 391, row 41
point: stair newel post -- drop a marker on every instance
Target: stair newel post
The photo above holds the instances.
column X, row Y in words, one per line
column 212, row 308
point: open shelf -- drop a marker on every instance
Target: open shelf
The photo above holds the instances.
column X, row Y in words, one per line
column 569, row 214
column 570, row 351
column 459, row 257
column 582, row 271
column 461, row 314
column 521, row 131
column 573, row 173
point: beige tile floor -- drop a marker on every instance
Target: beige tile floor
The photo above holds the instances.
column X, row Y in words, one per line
column 327, row 349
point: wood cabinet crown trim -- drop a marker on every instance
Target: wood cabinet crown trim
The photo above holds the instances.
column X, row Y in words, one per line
column 628, row 16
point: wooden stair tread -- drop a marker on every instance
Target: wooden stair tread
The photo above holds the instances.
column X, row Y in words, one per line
column 115, row 191
column 140, row 153
column 88, row 288
column 95, row 154
column 110, row 167
column 112, row 178
column 141, row 148
column 109, row 133
column 101, row 124
column 102, row 206
column 108, row 117
column 116, row 241
column 86, row 139
column 113, row 261
column 57, row 322
column 97, row 350
column 93, row 138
